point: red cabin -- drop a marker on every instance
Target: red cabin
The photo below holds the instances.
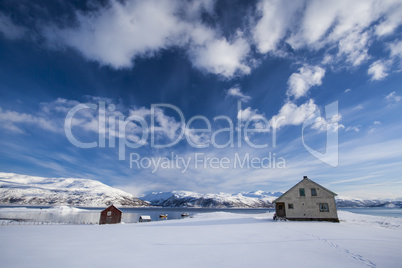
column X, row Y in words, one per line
column 110, row 215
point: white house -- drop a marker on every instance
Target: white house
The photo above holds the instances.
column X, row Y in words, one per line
column 307, row 201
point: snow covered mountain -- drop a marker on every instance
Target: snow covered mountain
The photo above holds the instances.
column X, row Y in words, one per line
column 350, row 202
column 257, row 199
column 28, row 190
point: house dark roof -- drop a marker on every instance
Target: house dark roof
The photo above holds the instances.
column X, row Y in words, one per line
column 112, row 206
column 305, row 178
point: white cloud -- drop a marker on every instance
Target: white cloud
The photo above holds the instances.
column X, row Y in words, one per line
column 249, row 117
column 120, row 32
column 321, row 124
column 393, row 97
column 345, row 26
column 392, row 19
column 167, row 125
column 236, row 93
column 373, row 128
column 353, row 128
column 9, row 29
column 307, row 77
column 347, row 90
column 197, row 139
column 358, row 107
column 396, row 49
column 276, row 18
column 249, row 114
column 378, row 70
column 291, row 114
column 354, row 47
column 335, row 19
column 219, row 56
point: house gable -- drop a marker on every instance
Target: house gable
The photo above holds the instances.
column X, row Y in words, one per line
column 306, row 183
column 113, row 207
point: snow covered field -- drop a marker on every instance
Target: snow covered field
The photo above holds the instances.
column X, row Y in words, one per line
column 216, row 239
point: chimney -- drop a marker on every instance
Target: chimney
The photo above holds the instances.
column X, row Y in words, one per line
column 305, row 177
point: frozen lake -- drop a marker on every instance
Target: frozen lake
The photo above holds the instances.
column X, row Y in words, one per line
column 384, row 212
column 91, row 215
column 70, row 215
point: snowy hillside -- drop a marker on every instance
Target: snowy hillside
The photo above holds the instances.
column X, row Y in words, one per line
column 257, row 199
column 28, row 190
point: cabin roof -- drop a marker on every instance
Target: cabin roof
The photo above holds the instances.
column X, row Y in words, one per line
column 112, row 206
column 297, row 184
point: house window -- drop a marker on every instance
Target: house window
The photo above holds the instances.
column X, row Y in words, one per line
column 301, row 192
column 323, row 207
column 313, row 192
column 109, row 213
column 290, row 206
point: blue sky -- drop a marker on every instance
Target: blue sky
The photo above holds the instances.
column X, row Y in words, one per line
column 286, row 60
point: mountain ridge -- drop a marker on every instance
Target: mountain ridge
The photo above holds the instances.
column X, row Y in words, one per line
column 18, row 189
column 220, row 200
column 254, row 199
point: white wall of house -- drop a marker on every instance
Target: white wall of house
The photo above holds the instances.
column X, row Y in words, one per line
column 308, row 206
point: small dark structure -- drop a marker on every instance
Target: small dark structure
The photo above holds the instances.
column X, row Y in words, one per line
column 145, row 218
column 110, row 215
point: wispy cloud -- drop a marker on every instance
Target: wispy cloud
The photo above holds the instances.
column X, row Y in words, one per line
column 236, row 93
column 353, row 128
column 393, row 97
column 395, row 49
column 51, row 116
column 9, row 29
column 12, row 121
column 143, row 29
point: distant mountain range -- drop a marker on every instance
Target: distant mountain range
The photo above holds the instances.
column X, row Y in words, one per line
column 257, row 199
column 349, row 202
column 27, row 190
